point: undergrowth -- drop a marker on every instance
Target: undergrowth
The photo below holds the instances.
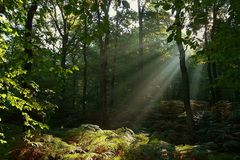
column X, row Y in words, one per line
column 89, row 142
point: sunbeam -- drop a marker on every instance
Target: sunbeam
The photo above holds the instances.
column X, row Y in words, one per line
column 195, row 81
column 149, row 90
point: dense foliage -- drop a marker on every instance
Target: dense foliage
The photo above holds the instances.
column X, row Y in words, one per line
column 169, row 68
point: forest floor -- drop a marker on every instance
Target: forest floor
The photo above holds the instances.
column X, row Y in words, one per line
column 216, row 137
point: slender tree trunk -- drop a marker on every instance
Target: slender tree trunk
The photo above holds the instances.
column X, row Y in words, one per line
column 141, row 35
column 214, row 63
column 215, row 78
column 185, row 83
column 103, row 87
column 74, row 89
column 85, row 81
column 185, row 79
column 103, row 43
column 112, row 90
column 210, row 78
column 212, row 98
column 63, row 59
column 28, row 51
column 64, row 51
column 85, row 69
column 28, row 37
column 114, row 59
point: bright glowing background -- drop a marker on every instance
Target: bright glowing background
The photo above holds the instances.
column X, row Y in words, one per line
column 133, row 6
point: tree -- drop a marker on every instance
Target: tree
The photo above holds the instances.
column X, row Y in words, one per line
column 18, row 93
column 28, row 36
column 141, row 11
column 176, row 28
column 103, row 39
column 185, row 79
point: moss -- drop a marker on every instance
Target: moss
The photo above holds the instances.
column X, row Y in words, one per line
column 153, row 150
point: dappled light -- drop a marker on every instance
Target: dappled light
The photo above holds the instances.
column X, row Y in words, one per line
column 119, row 80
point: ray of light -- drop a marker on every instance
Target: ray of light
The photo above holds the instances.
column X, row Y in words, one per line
column 165, row 81
column 149, row 82
column 196, row 77
column 149, row 90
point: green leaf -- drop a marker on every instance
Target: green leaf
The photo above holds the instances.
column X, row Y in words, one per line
column 188, row 32
column 75, row 68
column 166, row 6
column 125, row 4
column 94, row 7
column 68, row 9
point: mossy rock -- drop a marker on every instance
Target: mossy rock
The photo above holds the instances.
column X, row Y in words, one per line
column 196, row 152
column 154, row 150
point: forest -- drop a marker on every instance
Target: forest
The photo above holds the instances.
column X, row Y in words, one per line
column 119, row 79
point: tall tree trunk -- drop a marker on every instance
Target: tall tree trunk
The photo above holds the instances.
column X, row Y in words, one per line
column 64, row 51
column 212, row 98
column 85, row 69
column 63, row 61
column 74, row 83
column 112, row 87
column 210, row 78
column 214, row 63
column 185, row 83
column 215, row 77
column 185, row 79
column 85, row 81
column 74, row 89
column 141, row 35
column 28, row 37
column 28, row 51
column 114, row 59
column 103, row 86
column 103, row 44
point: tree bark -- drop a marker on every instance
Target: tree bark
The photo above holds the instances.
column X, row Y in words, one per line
column 185, row 83
column 28, row 37
column 114, row 60
column 63, row 65
column 185, row 79
column 214, row 63
column 212, row 98
column 215, row 77
column 141, row 35
column 74, row 89
column 85, row 69
column 103, row 44
column 64, row 53
column 112, row 89
column 210, row 78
